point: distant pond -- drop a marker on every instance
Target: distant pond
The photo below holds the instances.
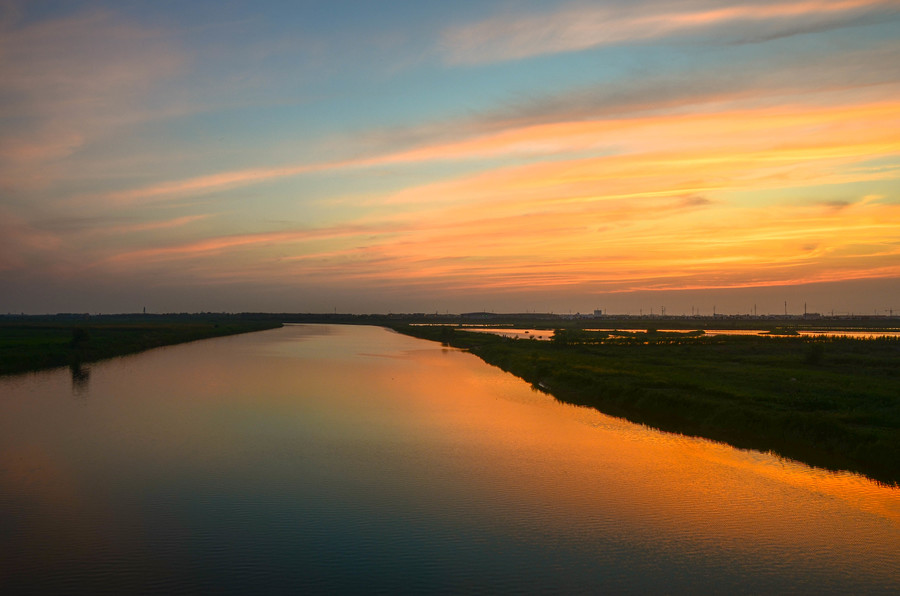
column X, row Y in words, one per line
column 334, row 459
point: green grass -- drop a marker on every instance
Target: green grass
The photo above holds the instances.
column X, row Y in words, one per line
column 831, row 402
column 35, row 343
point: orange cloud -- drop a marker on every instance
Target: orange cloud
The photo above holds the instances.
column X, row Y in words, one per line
column 657, row 203
column 148, row 226
column 693, row 153
column 218, row 245
column 864, row 130
column 667, row 243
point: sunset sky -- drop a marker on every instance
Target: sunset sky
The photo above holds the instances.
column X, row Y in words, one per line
column 422, row 156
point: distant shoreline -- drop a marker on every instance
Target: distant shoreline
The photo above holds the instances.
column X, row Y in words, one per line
column 31, row 344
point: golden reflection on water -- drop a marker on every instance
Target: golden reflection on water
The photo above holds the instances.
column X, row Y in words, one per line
column 371, row 418
column 660, row 476
column 554, row 453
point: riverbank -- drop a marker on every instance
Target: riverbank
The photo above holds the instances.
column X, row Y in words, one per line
column 830, row 402
column 36, row 343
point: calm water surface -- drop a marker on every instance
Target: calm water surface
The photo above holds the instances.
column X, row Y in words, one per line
column 329, row 459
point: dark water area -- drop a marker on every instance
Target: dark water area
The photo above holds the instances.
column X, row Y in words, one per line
column 329, row 459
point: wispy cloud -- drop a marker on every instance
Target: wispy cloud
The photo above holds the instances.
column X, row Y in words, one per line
column 651, row 207
column 71, row 81
column 21, row 244
column 582, row 26
column 712, row 171
column 663, row 242
column 737, row 130
column 218, row 244
column 730, row 150
column 587, row 119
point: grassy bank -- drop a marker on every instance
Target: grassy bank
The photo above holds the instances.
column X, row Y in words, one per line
column 35, row 343
column 833, row 402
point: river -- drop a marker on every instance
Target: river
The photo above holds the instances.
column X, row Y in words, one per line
column 334, row 459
